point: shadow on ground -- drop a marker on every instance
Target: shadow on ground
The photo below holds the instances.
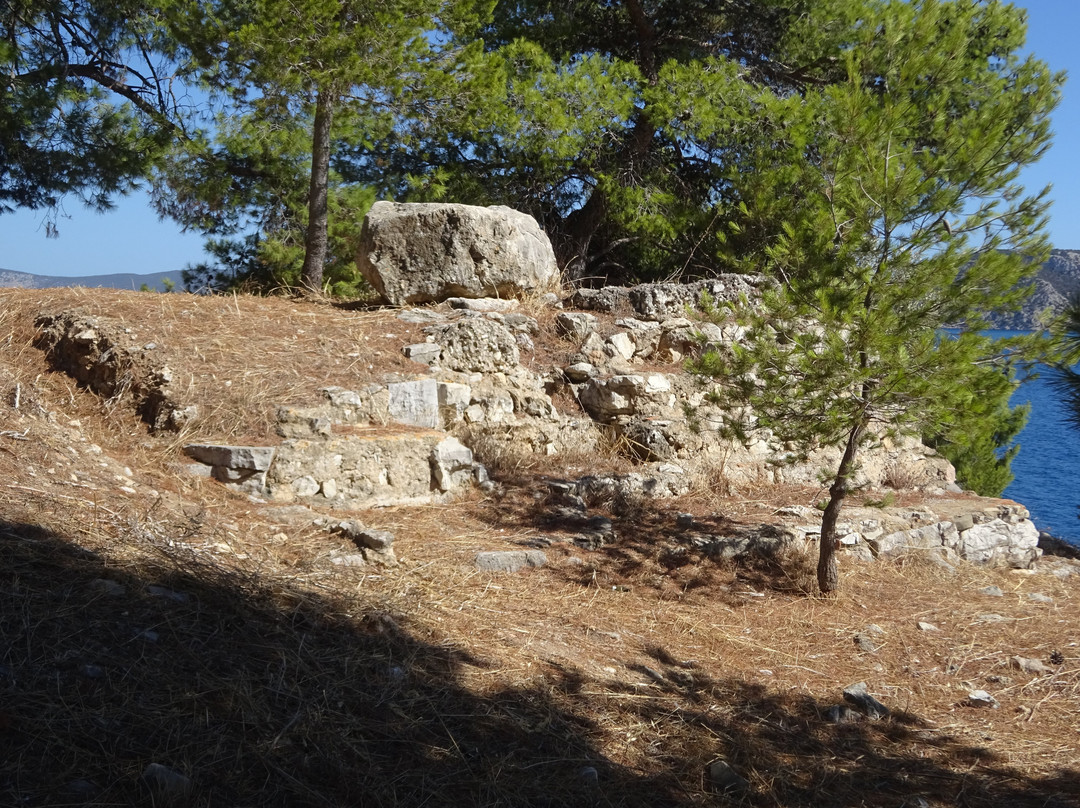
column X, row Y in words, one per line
column 274, row 697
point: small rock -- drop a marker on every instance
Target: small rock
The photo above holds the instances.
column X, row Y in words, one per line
column 579, row 372
column 991, row 591
column 1033, row 666
column 684, row 521
column 167, row 594
column 601, row 524
column 367, row 537
column 426, row 353
column 621, row 345
column 510, row 560
column 865, row 643
column 980, row 698
column 523, row 323
column 109, row 587
column 80, row 790
column 725, row 779
column 989, row 618
column 484, row 304
column 575, row 325
column 841, row 714
column 589, row 775
column 858, row 695
column 169, row 787
column 305, row 486
column 1038, row 597
column 927, row 626
column 92, row 671
column 348, row 560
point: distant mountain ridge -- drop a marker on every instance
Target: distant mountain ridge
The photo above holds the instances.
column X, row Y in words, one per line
column 121, row 280
column 1057, row 280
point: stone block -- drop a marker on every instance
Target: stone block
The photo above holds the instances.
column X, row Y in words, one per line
column 423, row 252
column 415, row 403
column 451, row 464
column 453, row 400
column 253, row 458
column 510, row 560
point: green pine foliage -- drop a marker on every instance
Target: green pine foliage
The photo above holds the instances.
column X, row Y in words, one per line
column 297, row 86
column 1065, row 376
column 887, row 206
column 980, row 440
column 618, row 125
column 86, row 101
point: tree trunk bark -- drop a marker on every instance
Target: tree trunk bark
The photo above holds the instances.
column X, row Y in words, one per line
column 828, row 574
column 317, row 237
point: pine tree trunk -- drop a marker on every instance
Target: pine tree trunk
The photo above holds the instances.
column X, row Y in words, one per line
column 316, row 239
column 828, row 574
column 575, row 243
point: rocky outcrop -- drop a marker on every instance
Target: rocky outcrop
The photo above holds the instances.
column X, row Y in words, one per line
column 1001, row 534
column 476, row 345
column 662, row 301
column 421, row 253
column 1057, row 280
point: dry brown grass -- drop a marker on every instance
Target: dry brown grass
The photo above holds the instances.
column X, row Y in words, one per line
column 277, row 678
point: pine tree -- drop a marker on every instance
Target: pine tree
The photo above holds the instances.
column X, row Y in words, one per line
column 297, row 80
column 615, row 124
column 1065, row 376
column 904, row 215
column 86, row 100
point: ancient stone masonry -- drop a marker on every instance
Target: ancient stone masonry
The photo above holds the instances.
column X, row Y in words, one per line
column 476, row 393
column 105, row 356
column 1001, row 534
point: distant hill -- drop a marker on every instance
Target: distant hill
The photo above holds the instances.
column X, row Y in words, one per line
column 1057, row 281
column 121, row 280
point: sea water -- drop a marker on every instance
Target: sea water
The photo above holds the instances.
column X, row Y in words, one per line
column 1047, row 467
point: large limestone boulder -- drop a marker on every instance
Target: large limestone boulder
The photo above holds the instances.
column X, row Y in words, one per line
column 422, row 253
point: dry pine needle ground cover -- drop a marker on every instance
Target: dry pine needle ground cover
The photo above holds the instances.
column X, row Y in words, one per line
column 147, row 617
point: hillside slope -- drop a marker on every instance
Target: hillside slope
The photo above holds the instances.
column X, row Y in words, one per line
column 169, row 639
column 154, row 281
column 1057, row 281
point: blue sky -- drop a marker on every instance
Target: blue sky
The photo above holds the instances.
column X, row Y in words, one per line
column 131, row 239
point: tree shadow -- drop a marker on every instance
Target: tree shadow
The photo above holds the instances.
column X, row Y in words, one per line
column 271, row 695
column 647, row 545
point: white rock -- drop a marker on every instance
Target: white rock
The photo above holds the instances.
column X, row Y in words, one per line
column 622, row 345
column 305, row 486
column 452, row 464
column 418, row 252
column 415, row 403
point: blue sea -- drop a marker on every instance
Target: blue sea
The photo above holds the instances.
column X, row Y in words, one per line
column 1045, row 469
